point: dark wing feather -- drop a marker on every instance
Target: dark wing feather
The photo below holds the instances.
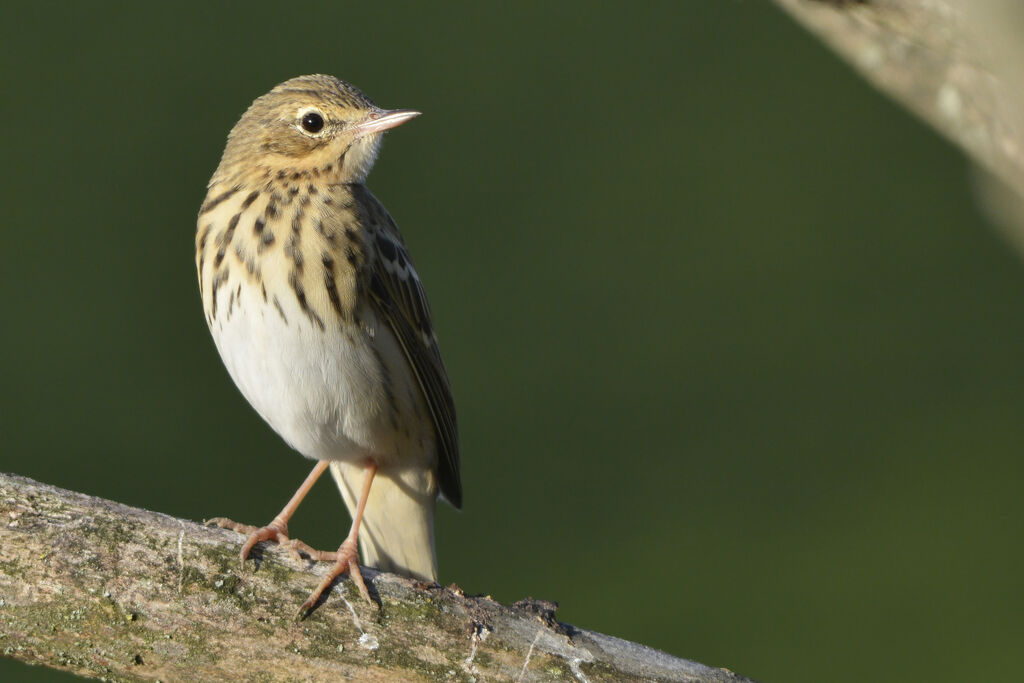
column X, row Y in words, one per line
column 401, row 301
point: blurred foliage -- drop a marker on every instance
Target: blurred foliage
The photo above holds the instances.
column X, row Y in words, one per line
column 738, row 364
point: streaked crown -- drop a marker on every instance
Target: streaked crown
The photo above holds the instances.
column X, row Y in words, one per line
column 317, row 124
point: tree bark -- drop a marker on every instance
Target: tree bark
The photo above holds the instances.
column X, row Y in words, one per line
column 109, row 591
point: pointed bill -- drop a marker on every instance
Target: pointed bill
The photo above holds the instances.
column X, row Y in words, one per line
column 383, row 119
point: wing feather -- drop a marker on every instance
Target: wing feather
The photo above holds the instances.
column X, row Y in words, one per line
column 400, row 299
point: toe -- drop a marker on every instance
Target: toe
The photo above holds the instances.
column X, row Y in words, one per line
column 298, row 548
column 357, row 579
column 225, row 523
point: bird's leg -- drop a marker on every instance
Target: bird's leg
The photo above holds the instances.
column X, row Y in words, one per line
column 277, row 530
column 347, row 556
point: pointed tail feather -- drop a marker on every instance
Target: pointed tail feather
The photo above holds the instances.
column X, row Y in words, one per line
column 397, row 533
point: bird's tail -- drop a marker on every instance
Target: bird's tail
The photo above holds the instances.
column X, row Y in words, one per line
column 397, row 533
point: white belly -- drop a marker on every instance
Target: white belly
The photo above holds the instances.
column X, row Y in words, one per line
column 324, row 391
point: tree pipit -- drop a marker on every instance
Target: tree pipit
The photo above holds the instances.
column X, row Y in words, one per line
column 321, row 319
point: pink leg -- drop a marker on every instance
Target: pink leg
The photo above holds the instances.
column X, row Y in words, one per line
column 345, row 558
column 277, row 530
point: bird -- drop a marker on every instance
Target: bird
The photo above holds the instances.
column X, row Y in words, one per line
column 322, row 321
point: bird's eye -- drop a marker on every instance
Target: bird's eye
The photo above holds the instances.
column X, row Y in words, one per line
column 312, row 122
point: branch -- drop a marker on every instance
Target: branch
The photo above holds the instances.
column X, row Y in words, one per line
column 106, row 590
column 948, row 61
column 957, row 64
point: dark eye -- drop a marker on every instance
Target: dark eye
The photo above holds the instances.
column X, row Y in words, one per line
column 312, row 122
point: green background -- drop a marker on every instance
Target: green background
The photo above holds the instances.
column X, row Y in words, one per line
column 739, row 364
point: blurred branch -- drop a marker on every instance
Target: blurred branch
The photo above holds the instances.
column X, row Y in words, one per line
column 109, row 591
column 957, row 64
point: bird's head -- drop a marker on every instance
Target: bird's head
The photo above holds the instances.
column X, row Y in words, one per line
column 310, row 124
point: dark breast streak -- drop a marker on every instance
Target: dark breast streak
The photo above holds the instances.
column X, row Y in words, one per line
column 294, row 240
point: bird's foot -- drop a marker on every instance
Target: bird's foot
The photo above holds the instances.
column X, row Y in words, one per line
column 275, row 531
column 299, row 549
column 225, row 523
column 344, row 560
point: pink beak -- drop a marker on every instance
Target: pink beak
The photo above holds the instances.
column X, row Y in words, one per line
column 383, row 119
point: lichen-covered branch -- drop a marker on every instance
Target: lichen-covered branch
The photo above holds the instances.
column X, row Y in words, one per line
column 110, row 591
